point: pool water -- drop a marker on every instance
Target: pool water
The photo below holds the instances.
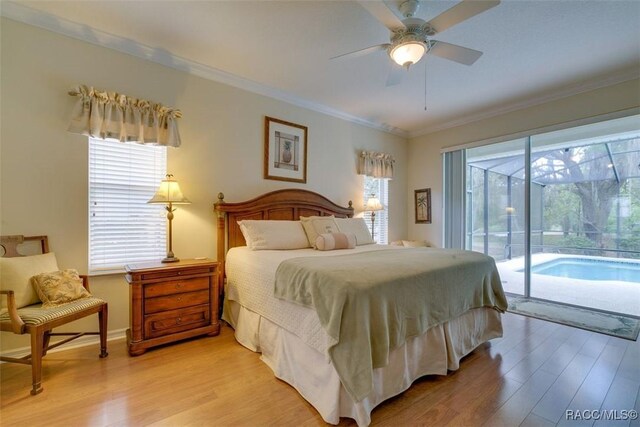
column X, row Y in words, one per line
column 590, row 269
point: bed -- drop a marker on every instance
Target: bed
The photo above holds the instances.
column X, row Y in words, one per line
column 296, row 340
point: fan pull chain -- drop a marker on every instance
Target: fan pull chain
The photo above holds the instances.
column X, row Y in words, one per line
column 425, row 84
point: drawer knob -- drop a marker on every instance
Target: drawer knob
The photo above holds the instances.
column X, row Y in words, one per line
column 179, row 298
column 178, row 285
column 179, row 320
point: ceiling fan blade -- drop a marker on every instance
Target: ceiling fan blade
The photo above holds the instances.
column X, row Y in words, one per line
column 396, row 74
column 382, row 13
column 453, row 52
column 461, row 12
column 362, row 52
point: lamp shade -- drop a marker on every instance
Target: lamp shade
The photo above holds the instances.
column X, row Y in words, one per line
column 373, row 204
column 169, row 192
column 408, row 53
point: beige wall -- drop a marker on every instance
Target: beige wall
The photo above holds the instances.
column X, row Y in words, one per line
column 44, row 168
column 425, row 160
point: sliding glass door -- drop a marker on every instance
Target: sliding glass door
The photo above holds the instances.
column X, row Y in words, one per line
column 589, row 210
column 560, row 213
column 495, row 207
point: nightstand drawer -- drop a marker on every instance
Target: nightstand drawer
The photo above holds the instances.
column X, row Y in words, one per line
column 170, row 322
column 172, row 302
column 174, row 274
column 176, row 287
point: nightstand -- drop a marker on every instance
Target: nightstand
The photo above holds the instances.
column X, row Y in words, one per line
column 171, row 302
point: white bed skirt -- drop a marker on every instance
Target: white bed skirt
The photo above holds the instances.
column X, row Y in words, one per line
column 313, row 376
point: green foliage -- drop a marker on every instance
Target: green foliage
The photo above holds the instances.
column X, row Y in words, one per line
column 630, row 244
column 561, row 208
column 576, row 242
column 572, row 241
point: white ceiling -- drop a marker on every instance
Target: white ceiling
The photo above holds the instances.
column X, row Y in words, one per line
column 533, row 51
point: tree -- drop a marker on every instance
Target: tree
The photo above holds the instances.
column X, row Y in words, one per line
column 597, row 196
column 562, row 208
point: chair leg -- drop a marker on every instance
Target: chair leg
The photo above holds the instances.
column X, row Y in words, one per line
column 45, row 343
column 37, row 341
column 103, row 317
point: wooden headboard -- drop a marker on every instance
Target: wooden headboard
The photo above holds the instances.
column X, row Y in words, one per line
column 288, row 204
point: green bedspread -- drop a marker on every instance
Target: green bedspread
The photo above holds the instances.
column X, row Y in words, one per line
column 371, row 302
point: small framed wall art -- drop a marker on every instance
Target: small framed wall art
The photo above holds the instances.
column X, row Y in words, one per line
column 285, row 151
column 423, row 205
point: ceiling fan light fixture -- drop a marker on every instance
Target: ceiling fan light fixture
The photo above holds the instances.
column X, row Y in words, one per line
column 408, row 53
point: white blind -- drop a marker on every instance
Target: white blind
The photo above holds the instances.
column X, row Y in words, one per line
column 123, row 228
column 379, row 188
column 454, row 200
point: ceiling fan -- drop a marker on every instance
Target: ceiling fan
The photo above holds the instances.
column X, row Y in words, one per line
column 410, row 37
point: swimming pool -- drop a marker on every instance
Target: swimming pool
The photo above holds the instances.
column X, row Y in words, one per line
column 590, row 269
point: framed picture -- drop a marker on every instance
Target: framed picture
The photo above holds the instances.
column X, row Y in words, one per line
column 423, row 206
column 285, row 151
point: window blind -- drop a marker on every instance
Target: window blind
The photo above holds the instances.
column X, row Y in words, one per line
column 123, row 228
column 379, row 188
column 454, row 199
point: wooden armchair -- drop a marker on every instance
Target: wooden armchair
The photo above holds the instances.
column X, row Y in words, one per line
column 39, row 322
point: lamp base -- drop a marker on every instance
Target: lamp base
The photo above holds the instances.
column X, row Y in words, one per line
column 171, row 259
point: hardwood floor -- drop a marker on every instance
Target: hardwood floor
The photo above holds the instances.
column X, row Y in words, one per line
column 528, row 378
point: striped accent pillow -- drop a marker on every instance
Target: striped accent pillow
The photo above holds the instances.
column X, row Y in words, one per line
column 331, row 241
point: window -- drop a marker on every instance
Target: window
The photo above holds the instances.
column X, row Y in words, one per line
column 123, row 228
column 379, row 188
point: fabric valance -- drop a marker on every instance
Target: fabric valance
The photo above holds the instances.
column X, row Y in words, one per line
column 111, row 115
column 377, row 165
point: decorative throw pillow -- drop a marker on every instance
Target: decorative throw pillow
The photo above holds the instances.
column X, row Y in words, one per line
column 59, row 287
column 15, row 275
column 273, row 234
column 316, row 225
column 331, row 241
column 356, row 226
column 414, row 244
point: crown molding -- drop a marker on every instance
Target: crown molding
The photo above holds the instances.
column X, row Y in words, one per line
column 29, row 16
column 575, row 89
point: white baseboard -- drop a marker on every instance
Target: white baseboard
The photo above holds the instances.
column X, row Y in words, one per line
column 114, row 335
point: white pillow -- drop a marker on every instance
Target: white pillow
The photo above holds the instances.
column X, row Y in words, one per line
column 16, row 274
column 317, row 225
column 414, row 244
column 269, row 234
column 332, row 241
column 245, row 233
column 356, row 226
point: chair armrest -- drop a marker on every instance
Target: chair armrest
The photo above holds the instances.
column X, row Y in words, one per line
column 17, row 325
column 85, row 281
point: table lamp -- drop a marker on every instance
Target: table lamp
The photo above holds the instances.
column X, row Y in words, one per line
column 169, row 193
column 373, row 205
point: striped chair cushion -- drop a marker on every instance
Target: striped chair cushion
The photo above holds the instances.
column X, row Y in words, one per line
column 36, row 315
